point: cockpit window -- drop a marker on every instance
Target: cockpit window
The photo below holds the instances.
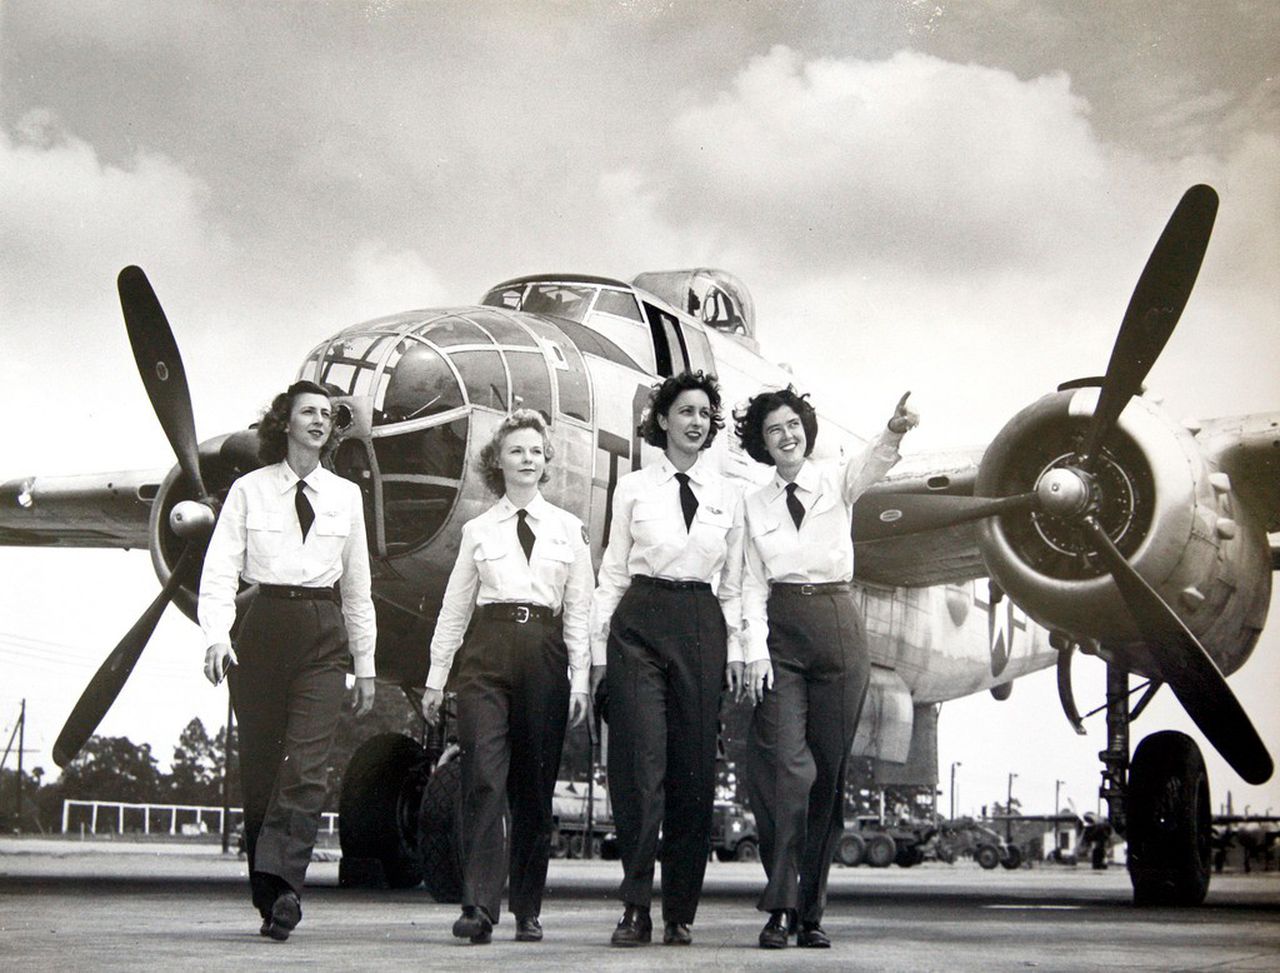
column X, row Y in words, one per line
column 559, row 300
column 508, row 297
column 417, row 382
column 485, row 378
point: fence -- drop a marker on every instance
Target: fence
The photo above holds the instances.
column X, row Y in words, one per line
column 196, row 815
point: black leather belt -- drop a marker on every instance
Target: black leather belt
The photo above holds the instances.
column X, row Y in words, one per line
column 807, row 590
column 294, row 591
column 508, row 611
column 669, row 584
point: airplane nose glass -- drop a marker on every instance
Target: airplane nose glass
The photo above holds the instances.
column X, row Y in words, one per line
column 418, row 383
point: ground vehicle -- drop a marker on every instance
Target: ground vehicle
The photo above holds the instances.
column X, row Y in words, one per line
column 876, row 843
column 733, row 833
column 573, row 823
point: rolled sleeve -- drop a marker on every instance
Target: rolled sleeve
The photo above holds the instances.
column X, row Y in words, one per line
column 223, row 564
column 357, row 597
column 455, row 611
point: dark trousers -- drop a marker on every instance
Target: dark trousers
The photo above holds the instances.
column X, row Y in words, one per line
column 288, row 693
column 666, row 661
column 513, row 704
column 798, row 744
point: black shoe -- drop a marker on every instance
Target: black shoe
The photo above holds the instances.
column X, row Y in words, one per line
column 474, row 924
column 635, row 928
column 286, row 913
column 777, row 929
column 676, row 934
column 528, row 929
column 812, row 936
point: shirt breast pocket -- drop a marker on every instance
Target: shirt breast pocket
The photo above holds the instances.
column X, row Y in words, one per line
column 552, row 558
column 773, row 544
column 494, row 564
column 650, row 522
column 263, row 535
column 332, row 529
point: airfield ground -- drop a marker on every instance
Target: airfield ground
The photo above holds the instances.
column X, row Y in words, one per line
column 120, row 905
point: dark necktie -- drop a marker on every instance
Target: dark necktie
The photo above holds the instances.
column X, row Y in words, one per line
column 794, row 505
column 688, row 502
column 525, row 533
column 306, row 515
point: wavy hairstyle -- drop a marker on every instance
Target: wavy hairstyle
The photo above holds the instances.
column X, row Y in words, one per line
column 487, row 463
column 663, row 395
column 273, row 436
column 748, row 423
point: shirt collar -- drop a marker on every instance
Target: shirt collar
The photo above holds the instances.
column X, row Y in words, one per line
column 536, row 507
column 808, row 480
column 664, row 470
column 287, row 480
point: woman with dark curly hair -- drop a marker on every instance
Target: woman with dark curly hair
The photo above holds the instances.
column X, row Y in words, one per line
column 297, row 531
column 524, row 572
column 666, row 618
column 806, row 651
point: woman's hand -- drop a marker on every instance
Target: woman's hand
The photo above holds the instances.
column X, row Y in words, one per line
column 733, row 673
column 579, row 707
column 904, row 417
column 217, row 660
column 432, row 701
column 759, row 679
column 365, row 688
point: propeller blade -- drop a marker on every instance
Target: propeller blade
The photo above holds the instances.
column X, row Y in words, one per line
column 1187, row 668
column 160, row 366
column 886, row 515
column 110, row 678
column 1153, row 310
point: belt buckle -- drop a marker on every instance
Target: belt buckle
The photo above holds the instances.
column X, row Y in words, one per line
column 806, row 589
column 522, row 613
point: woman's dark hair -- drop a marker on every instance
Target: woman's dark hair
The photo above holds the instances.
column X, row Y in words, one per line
column 748, row 423
column 273, row 436
column 487, row 463
column 664, row 394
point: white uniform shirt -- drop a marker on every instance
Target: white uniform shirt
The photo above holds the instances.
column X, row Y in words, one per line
column 258, row 538
column 491, row 567
column 648, row 536
column 821, row 550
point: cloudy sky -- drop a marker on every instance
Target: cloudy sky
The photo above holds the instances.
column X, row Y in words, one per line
column 952, row 198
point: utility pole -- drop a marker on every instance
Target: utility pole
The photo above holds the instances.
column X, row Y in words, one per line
column 226, row 777
column 1008, row 811
column 954, row 765
column 22, row 734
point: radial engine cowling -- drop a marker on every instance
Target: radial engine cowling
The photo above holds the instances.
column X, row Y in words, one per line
column 1166, row 508
column 222, row 460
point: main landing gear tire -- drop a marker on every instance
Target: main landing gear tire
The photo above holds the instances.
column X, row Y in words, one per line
column 378, row 812
column 440, row 838
column 1169, row 822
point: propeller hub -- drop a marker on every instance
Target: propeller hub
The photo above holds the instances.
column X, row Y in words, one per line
column 1064, row 492
column 191, row 519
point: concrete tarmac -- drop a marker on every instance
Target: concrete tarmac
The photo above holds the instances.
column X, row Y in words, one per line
column 118, row 905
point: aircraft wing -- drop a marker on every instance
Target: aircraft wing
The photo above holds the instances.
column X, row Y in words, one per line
column 91, row 510
column 934, row 557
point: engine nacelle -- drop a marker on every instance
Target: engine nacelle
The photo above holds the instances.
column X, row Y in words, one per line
column 1170, row 513
column 222, row 460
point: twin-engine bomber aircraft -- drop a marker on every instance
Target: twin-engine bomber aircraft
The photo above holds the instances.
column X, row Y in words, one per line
column 1118, row 532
